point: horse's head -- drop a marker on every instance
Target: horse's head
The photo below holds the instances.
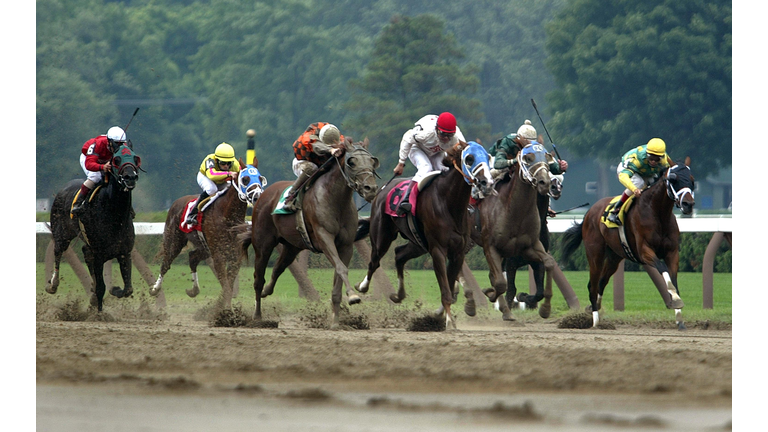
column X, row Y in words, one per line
column 680, row 187
column 475, row 165
column 360, row 168
column 125, row 167
column 556, row 186
column 250, row 183
column 534, row 161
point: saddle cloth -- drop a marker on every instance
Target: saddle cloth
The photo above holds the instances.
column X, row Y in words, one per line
column 398, row 192
column 183, row 226
column 622, row 211
column 280, row 207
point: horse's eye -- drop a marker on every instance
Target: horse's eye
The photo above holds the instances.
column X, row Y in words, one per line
column 246, row 180
column 351, row 162
column 469, row 160
column 375, row 163
column 117, row 161
column 263, row 181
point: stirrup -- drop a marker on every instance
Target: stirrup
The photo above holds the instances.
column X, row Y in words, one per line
column 404, row 208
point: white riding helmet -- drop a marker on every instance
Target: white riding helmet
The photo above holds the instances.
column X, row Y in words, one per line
column 116, row 133
column 329, row 134
column 527, row 131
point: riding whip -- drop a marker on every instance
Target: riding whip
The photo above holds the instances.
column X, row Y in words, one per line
column 533, row 102
column 572, row 208
column 132, row 117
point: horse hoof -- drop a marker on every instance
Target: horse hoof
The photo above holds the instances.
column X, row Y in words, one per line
column 127, row 292
column 354, row 299
column 507, row 317
column 676, row 304
column 364, row 290
column 681, row 326
column 469, row 308
column 94, row 300
column 51, row 289
column 116, row 291
column 193, row 292
column 154, row 291
column 545, row 310
column 491, row 294
column 394, row 298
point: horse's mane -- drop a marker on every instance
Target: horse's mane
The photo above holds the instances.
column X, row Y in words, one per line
column 453, row 154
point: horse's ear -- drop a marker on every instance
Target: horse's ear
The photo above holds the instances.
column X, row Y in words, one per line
column 365, row 142
column 540, row 139
column 688, row 161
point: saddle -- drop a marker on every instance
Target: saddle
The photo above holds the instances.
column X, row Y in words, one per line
column 203, row 205
column 396, row 194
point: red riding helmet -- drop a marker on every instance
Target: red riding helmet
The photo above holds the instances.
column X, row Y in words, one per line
column 446, row 122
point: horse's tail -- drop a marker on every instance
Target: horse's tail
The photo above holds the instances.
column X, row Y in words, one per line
column 363, row 228
column 243, row 237
column 572, row 238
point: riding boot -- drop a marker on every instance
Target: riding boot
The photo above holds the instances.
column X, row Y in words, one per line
column 613, row 215
column 192, row 218
column 405, row 205
column 82, row 200
column 290, row 200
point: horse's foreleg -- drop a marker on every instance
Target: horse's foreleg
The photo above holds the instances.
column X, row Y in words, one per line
column 380, row 243
column 58, row 250
column 195, row 257
column 546, row 269
column 172, row 246
column 495, row 274
column 125, row 272
column 669, row 273
column 97, row 296
column 446, row 291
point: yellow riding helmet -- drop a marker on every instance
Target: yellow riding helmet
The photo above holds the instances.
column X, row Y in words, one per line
column 225, row 152
column 656, row 146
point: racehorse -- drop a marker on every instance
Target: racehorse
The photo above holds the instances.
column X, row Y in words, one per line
column 215, row 236
column 510, row 228
column 325, row 223
column 542, row 203
column 106, row 225
column 441, row 221
column 651, row 232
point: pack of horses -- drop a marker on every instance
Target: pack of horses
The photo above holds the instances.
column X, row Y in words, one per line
column 508, row 222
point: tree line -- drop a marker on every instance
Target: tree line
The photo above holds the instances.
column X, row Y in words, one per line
column 203, row 72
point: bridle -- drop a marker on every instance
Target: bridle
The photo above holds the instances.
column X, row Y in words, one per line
column 357, row 183
column 251, row 190
column 529, row 173
column 674, row 194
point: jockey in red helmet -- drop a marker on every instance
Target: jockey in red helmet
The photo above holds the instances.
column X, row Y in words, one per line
column 425, row 145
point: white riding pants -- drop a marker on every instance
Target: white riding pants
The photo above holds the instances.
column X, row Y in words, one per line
column 425, row 164
column 207, row 184
column 94, row 176
column 637, row 180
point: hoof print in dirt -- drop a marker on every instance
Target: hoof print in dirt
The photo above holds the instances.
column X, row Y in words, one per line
column 583, row 321
column 427, row 323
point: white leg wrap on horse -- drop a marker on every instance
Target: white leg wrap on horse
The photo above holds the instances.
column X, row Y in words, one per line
column 159, row 283
column 194, row 279
column 678, row 316
column 54, row 276
column 364, row 284
column 595, row 318
column 671, row 287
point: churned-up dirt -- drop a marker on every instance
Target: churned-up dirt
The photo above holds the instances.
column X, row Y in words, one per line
column 168, row 371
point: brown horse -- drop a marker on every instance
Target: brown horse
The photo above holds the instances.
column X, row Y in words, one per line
column 106, row 227
column 441, row 218
column 216, row 238
column 329, row 216
column 652, row 237
column 510, row 227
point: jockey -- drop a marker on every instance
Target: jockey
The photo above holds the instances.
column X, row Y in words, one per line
column 215, row 170
column 319, row 142
column 504, row 151
column 425, row 145
column 96, row 159
column 639, row 168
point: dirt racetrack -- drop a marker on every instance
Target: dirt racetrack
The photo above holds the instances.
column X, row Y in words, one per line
column 181, row 374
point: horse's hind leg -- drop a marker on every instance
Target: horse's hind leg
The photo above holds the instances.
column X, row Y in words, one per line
column 380, row 243
column 403, row 254
column 97, row 296
column 59, row 247
column 285, row 258
column 172, row 246
column 195, row 257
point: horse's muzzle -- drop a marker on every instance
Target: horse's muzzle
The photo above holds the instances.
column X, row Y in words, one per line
column 686, row 207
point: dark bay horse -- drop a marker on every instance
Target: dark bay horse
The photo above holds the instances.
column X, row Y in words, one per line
column 329, row 216
column 106, row 226
column 442, row 221
column 510, row 227
column 217, row 237
column 652, row 237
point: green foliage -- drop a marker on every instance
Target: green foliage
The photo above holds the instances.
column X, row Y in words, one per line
column 412, row 73
column 633, row 70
